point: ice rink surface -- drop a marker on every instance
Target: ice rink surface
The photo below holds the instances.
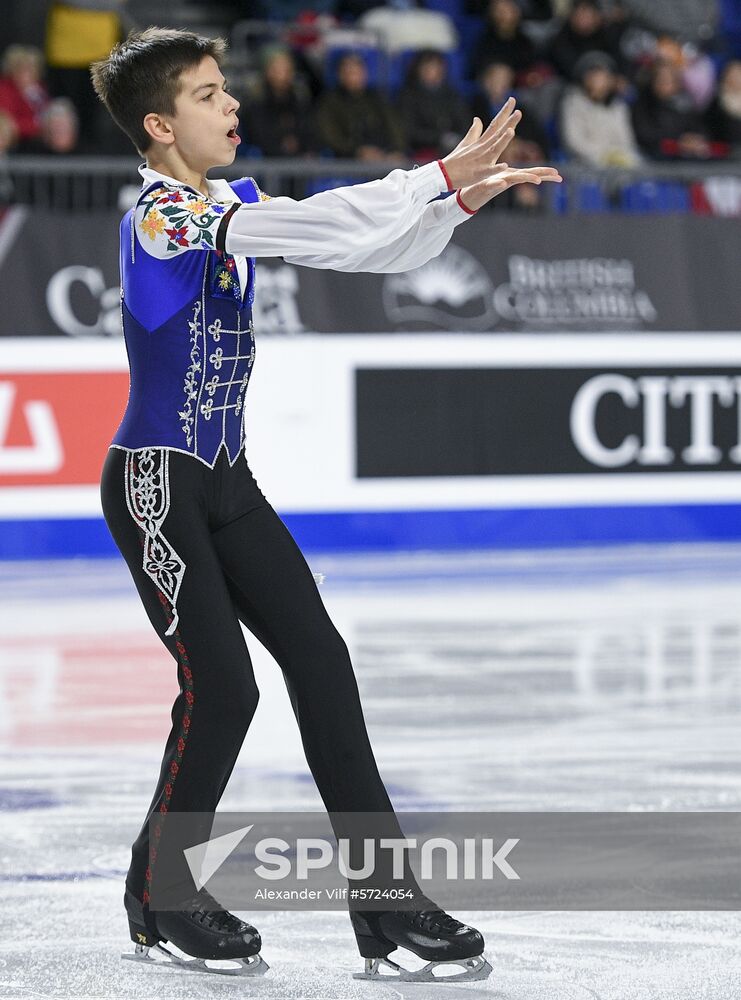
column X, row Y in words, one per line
column 600, row 681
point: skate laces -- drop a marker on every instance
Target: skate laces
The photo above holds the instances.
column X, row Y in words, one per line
column 220, row 920
column 437, row 920
column 212, row 914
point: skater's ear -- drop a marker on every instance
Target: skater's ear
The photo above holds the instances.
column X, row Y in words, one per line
column 158, row 129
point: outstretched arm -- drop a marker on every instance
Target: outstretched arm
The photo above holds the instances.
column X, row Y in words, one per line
column 340, row 224
column 172, row 219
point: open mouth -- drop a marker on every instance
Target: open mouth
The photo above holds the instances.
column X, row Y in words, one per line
column 232, row 135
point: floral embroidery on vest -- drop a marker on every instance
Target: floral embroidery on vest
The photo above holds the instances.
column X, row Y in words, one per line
column 224, row 277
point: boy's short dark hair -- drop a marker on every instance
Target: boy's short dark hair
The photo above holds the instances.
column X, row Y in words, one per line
column 142, row 75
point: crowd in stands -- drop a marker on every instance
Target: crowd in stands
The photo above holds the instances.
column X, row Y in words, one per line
column 32, row 122
column 601, row 82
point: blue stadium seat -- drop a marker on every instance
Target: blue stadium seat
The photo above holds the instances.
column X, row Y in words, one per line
column 591, row 197
column 399, row 64
column 469, row 28
column 655, row 197
column 587, row 197
column 455, row 9
column 559, row 197
column 730, row 21
column 730, row 16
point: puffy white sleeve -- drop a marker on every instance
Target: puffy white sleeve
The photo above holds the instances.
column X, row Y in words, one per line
column 425, row 239
column 350, row 228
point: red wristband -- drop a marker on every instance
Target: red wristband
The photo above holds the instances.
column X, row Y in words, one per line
column 471, row 211
column 445, row 174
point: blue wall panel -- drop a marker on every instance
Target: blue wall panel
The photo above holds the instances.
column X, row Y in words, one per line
column 387, row 531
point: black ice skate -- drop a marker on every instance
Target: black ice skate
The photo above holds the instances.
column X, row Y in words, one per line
column 204, row 931
column 430, row 934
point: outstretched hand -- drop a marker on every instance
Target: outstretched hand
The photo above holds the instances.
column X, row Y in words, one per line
column 502, row 179
column 476, row 155
column 473, row 165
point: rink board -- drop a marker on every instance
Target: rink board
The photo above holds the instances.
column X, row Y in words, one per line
column 412, row 441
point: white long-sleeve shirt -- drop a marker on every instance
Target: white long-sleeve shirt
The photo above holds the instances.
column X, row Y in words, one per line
column 380, row 226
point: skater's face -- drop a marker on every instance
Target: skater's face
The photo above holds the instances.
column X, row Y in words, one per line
column 203, row 128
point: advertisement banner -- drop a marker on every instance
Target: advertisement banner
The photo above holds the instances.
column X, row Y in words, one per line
column 546, row 422
column 55, row 427
column 501, row 273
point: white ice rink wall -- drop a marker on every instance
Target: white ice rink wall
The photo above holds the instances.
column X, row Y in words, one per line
column 418, row 441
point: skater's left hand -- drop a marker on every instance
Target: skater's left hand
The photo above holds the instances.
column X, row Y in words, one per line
column 503, row 178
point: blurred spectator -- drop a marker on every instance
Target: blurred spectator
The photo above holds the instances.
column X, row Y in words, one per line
column 277, row 119
column 60, row 128
column 504, row 41
column 434, row 114
column 666, row 122
column 595, row 120
column 354, row 120
column 23, row 96
column 77, row 33
column 530, row 144
column 59, row 135
column 724, row 114
column 696, row 68
column 586, row 30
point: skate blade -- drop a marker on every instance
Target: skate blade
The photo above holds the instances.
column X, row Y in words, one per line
column 255, row 965
column 473, row 969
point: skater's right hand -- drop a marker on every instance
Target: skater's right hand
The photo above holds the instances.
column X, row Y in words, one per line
column 503, row 178
column 476, row 155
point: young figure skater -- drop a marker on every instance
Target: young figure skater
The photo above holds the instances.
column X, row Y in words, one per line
column 205, row 548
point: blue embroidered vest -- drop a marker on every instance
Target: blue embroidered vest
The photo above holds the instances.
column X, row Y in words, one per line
column 190, row 344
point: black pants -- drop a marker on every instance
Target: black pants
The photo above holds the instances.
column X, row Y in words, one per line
column 211, row 539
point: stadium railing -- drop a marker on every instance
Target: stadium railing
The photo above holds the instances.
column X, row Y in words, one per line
column 96, row 183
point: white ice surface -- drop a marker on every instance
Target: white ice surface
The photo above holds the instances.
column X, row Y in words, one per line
column 607, row 681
